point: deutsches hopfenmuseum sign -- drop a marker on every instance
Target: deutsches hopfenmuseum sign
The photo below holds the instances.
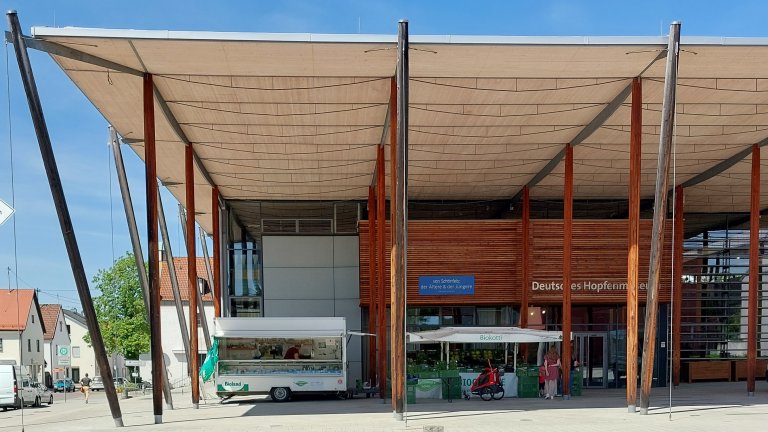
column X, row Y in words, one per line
column 584, row 286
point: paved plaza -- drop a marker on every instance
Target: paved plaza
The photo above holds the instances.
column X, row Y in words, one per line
column 696, row 407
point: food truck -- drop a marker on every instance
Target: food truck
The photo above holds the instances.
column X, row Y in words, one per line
column 280, row 356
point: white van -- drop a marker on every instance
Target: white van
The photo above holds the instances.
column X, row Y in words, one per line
column 8, row 394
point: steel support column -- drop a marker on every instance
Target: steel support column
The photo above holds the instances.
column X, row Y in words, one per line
column 567, row 276
column 189, row 180
column 754, row 270
column 174, row 281
column 138, row 255
column 677, row 280
column 216, row 229
column 400, row 228
column 372, row 282
column 633, row 227
column 659, row 216
column 62, row 211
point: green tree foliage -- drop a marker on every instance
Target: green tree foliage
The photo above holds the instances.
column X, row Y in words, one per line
column 120, row 309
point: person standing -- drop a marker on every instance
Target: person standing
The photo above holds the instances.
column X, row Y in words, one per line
column 85, row 387
column 552, row 371
column 293, row 352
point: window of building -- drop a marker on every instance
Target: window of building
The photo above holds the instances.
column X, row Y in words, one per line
column 60, row 326
column 76, row 351
column 33, row 319
column 1, row 345
column 38, row 345
column 457, row 316
column 29, row 345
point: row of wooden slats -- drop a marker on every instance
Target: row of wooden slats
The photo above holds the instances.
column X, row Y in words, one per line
column 491, row 251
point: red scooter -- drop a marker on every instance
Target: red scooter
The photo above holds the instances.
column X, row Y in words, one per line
column 488, row 384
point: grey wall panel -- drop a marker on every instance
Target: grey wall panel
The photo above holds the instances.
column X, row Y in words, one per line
column 298, row 251
column 298, row 308
column 298, row 283
column 346, row 251
column 349, row 309
column 347, row 282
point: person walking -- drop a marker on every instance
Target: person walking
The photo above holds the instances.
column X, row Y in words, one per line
column 552, row 371
column 85, row 387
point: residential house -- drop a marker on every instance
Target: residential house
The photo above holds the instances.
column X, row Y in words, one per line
column 21, row 330
column 83, row 356
column 56, row 335
column 173, row 346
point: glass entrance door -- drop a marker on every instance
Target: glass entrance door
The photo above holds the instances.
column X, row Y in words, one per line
column 592, row 354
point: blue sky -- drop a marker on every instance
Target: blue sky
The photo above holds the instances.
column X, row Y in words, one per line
column 79, row 133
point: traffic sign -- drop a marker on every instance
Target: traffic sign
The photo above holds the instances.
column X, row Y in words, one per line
column 5, row 211
column 63, row 355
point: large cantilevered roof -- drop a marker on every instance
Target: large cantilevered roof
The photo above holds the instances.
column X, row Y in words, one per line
column 299, row 116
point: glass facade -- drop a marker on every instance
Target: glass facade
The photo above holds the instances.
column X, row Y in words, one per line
column 245, row 281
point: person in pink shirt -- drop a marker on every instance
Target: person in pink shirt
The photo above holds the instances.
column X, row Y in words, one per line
column 552, row 371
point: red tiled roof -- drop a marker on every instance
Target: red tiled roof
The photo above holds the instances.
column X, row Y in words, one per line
column 14, row 308
column 50, row 316
column 166, row 291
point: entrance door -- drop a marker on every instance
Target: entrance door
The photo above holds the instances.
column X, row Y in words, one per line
column 592, row 354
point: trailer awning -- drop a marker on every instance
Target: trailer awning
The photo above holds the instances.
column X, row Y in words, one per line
column 485, row 335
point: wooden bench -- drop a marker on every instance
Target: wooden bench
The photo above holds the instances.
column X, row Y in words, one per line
column 709, row 370
column 740, row 369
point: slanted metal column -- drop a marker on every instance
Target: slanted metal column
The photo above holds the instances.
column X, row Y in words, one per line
column 659, row 215
column 138, row 255
column 189, row 180
column 633, row 254
column 216, row 228
column 200, row 303
column 174, row 280
column 200, row 307
column 754, row 270
column 400, row 228
column 62, row 211
column 567, row 275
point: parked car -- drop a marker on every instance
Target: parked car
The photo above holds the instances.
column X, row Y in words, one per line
column 97, row 384
column 44, row 394
column 64, row 385
column 119, row 381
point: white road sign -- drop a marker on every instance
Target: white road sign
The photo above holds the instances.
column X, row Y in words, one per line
column 63, row 355
column 5, row 211
column 132, row 363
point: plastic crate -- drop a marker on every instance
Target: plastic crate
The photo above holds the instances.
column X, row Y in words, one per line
column 528, row 386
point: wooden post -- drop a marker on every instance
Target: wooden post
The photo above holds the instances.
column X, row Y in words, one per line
column 189, row 180
column 754, row 270
column 677, row 280
column 659, row 216
column 216, row 228
column 153, row 275
column 567, row 276
column 381, row 312
column 526, row 265
column 400, row 228
column 393, row 190
column 633, row 226
column 372, row 282
column 525, row 259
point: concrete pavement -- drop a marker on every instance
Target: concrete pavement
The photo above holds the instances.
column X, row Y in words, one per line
column 696, row 407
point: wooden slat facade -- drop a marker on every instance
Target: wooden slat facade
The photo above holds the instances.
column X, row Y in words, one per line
column 491, row 250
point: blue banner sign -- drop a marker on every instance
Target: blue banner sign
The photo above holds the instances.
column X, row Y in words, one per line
column 446, row 285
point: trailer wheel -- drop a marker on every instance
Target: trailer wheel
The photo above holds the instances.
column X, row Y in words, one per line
column 280, row 394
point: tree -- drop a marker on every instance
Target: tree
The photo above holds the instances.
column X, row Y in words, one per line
column 120, row 309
